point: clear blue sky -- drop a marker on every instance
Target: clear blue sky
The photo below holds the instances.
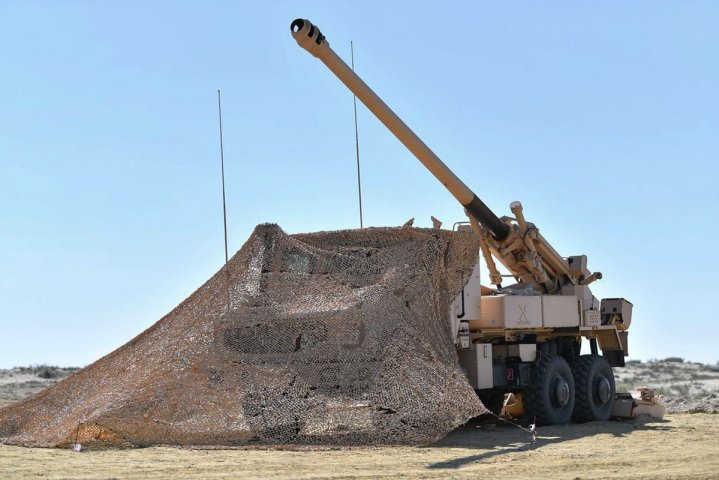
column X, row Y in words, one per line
column 601, row 117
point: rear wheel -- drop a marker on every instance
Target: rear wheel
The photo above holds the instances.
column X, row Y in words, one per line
column 594, row 381
column 551, row 402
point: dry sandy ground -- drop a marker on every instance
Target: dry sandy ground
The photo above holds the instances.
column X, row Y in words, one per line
column 682, row 446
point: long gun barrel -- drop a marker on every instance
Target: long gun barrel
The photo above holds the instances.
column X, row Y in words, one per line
column 311, row 39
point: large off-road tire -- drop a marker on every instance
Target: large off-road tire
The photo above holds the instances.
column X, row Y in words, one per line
column 595, row 390
column 492, row 399
column 551, row 402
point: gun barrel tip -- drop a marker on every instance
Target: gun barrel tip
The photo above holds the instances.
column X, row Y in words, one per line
column 297, row 25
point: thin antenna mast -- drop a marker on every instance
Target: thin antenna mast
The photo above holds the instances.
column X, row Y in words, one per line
column 359, row 180
column 222, row 163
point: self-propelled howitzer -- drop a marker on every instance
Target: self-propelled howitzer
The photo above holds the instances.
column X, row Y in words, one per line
column 524, row 338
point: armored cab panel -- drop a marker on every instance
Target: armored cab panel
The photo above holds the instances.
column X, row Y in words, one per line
column 560, row 311
column 468, row 308
column 477, row 362
column 466, row 305
column 509, row 311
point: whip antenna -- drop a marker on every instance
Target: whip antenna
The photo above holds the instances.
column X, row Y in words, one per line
column 359, row 180
column 222, row 164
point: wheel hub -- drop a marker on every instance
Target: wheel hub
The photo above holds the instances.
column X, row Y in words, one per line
column 559, row 392
column 602, row 390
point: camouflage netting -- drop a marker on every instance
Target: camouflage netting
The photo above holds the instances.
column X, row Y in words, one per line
column 323, row 338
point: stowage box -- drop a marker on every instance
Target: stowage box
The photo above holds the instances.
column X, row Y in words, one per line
column 509, row 311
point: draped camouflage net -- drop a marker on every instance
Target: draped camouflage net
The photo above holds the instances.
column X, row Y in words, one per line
column 330, row 338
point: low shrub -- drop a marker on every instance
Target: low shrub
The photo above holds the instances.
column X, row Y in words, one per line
column 674, row 360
